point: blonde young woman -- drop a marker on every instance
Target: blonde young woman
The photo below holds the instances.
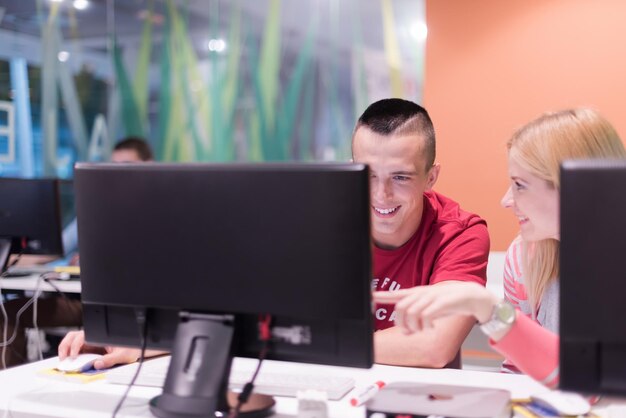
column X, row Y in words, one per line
column 523, row 327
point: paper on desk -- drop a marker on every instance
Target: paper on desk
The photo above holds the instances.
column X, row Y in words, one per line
column 527, row 409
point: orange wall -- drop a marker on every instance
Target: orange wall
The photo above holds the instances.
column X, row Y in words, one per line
column 493, row 65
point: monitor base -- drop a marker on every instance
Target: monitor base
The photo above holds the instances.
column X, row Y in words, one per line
column 197, row 378
column 258, row 406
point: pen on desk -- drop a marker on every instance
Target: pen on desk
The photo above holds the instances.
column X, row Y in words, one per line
column 366, row 393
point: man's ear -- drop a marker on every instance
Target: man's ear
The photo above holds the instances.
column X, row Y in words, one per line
column 433, row 175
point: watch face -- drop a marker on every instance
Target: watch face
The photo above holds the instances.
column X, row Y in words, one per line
column 505, row 312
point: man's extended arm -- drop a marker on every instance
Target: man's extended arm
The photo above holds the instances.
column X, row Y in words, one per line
column 433, row 347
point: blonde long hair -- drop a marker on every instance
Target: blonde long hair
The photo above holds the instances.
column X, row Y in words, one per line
column 540, row 146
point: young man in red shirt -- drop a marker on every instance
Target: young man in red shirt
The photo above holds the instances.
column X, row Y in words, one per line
column 421, row 237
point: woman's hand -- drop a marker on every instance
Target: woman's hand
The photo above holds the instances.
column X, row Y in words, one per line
column 417, row 307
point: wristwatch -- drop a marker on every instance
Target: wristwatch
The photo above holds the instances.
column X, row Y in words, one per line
column 502, row 318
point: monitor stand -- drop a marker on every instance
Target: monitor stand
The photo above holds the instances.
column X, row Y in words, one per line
column 5, row 251
column 197, row 378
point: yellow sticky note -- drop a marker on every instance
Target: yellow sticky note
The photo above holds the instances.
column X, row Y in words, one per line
column 73, row 377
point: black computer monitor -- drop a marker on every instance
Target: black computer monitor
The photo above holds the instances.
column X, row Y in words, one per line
column 30, row 218
column 593, row 278
column 205, row 249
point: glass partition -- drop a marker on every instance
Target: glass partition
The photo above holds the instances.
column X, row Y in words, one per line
column 201, row 80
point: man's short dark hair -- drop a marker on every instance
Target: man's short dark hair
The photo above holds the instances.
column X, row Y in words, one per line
column 398, row 117
column 139, row 145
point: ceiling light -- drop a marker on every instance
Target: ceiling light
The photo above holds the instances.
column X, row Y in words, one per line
column 81, row 4
column 419, row 31
column 63, row 56
column 217, row 45
column 56, row 1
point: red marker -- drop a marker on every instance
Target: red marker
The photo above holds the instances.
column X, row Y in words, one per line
column 366, row 393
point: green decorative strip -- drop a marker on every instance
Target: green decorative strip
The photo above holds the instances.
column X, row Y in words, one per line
column 143, row 67
column 130, row 112
column 290, row 105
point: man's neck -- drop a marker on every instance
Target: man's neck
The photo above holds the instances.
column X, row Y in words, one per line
column 392, row 242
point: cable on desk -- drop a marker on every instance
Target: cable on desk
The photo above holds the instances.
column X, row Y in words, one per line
column 141, row 315
column 5, row 330
column 5, row 316
column 32, row 301
column 49, row 278
column 42, row 277
column 36, row 327
column 265, row 332
column 4, row 344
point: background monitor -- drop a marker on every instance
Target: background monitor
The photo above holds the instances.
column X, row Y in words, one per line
column 30, row 218
column 593, row 278
column 227, row 242
column 66, row 201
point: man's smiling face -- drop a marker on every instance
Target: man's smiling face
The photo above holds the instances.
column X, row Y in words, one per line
column 399, row 178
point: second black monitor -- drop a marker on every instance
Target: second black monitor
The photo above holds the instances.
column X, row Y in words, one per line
column 593, row 282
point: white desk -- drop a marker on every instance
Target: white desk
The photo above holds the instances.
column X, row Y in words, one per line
column 25, row 394
column 30, row 283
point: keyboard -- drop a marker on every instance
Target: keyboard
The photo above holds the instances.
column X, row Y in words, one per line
column 269, row 383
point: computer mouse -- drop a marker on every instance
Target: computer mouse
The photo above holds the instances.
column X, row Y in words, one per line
column 565, row 403
column 81, row 363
